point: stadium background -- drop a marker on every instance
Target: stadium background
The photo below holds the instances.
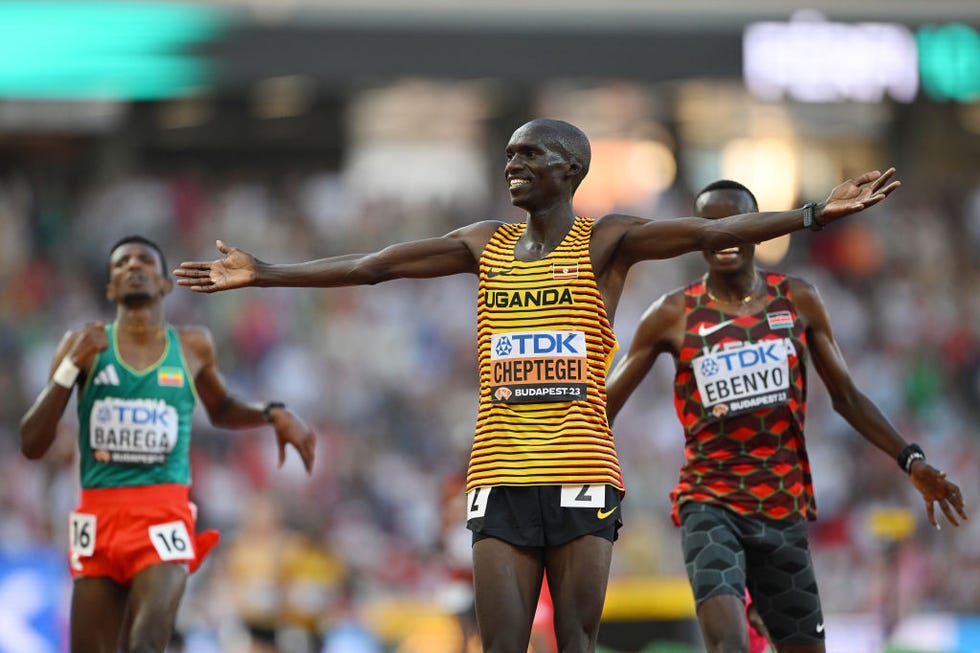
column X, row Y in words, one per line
column 299, row 129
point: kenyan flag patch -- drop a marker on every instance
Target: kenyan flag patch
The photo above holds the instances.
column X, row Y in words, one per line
column 780, row 320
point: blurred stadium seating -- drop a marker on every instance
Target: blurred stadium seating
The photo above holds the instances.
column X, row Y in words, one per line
column 299, row 129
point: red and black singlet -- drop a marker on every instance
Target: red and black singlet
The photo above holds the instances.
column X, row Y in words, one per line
column 740, row 394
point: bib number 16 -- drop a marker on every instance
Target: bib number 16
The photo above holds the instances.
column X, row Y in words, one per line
column 171, row 541
column 81, row 534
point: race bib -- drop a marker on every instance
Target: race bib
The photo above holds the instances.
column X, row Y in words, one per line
column 739, row 377
column 171, row 541
column 476, row 502
column 81, row 534
column 583, row 496
column 132, row 431
column 538, row 366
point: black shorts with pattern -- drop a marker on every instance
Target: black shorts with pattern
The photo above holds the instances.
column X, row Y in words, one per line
column 725, row 552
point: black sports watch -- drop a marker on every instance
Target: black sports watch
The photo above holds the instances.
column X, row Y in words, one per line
column 809, row 221
column 267, row 411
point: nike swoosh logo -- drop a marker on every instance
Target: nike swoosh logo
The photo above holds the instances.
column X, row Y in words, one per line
column 820, row 627
column 702, row 331
column 496, row 273
column 602, row 514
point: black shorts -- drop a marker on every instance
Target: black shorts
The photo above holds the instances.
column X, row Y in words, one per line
column 725, row 552
column 548, row 515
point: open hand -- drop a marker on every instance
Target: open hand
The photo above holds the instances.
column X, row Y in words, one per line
column 934, row 487
column 236, row 270
column 858, row 194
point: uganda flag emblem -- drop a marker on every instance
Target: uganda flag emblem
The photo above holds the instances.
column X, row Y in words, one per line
column 564, row 271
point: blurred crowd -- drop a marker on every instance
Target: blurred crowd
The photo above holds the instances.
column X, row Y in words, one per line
column 387, row 376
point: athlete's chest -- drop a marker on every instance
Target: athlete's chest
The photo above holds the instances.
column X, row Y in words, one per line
column 741, row 363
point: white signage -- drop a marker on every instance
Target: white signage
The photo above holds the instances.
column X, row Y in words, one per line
column 810, row 59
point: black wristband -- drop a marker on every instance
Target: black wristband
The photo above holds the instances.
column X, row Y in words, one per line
column 809, row 220
column 267, row 411
column 909, row 455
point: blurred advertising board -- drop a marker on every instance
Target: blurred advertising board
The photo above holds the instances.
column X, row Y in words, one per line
column 33, row 601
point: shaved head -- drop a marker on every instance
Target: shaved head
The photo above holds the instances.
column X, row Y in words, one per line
column 746, row 202
column 564, row 137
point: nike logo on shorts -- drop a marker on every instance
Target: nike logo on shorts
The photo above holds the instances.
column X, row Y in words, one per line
column 602, row 514
column 702, row 331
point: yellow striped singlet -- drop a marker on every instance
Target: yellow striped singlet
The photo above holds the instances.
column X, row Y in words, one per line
column 545, row 345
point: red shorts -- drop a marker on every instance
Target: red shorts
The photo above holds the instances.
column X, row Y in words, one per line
column 118, row 532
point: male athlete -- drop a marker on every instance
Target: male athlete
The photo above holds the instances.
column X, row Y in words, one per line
column 544, row 483
column 132, row 538
column 740, row 338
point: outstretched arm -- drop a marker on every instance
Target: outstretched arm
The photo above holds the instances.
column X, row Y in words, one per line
column 228, row 411
column 667, row 238
column 861, row 413
column 73, row 358
column 659, row 330
column 454, row 253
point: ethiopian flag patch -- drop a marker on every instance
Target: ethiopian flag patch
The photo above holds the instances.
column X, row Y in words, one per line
column 170, row 376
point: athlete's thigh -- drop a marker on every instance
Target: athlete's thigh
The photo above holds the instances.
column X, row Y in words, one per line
column 723, row 623
column 783, row 585
column 153, row 601
column 713, row 554
column 97, row 606
column 578, row 573
column 506, row 582
column 711, row 537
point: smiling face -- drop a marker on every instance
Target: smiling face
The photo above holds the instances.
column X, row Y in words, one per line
column 546, row 160
column 136, row 274
column 721, row 203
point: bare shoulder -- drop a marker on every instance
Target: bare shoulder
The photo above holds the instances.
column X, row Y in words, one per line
column 671, row 304
column 476, row 235
column 668, row 310
column 477, row 231
column 198, row 347
column 195, row 338
column 664, row 322
column 618, row 222
column 607, row 235
column 480, row 227
column 809, row 305
column 802, row 290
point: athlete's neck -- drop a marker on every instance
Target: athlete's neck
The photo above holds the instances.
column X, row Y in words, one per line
column 735, row 288
column 142, row 324
column 545, row 231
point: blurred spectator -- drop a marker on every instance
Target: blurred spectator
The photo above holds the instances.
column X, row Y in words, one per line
column 388, row 377
column 252, row 568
